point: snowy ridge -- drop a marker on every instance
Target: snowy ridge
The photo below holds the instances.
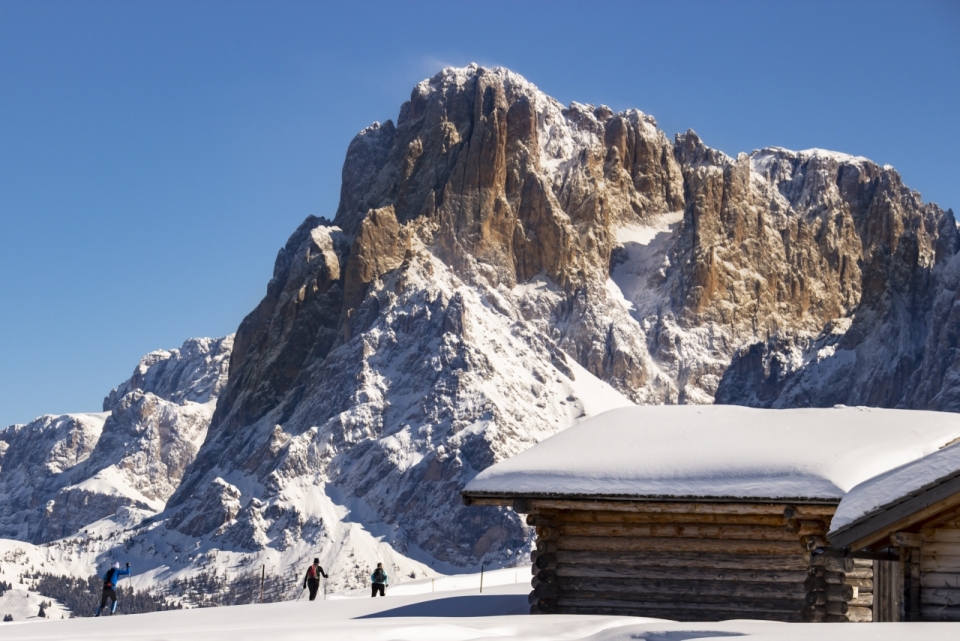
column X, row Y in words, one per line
column 84, row 467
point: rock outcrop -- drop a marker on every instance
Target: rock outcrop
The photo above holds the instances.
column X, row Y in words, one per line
column 496, row 258
column 61, row 473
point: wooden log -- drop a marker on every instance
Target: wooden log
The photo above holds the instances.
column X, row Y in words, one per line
column 538, row 505
column 813, row 542
column 792, row 526
column 700, row 573
column 547, row 533
column 859, row 614
column 939, row 596
column 864, row 585
column 836, row 607
column 475, row 501
column 654, row 589
column 860, row 573
column 940, row 579
column 864, row 599
column 743, row 532
column 836, row 618
column 546, row 547
column 863, row 563
column 839, row 592
column 816, row 570
column 547, row 591
column 834, row 578
column 534, row 556
column 938, row 549
column 654, row 544
column 816, row 598
column 940, row 613
column 941, row 535
column 939, row 563
column 720, row 560
column 811, row 528
column 809, row 511
column 534, row 519
column 642, row 518
column 908, row 539
column 545, row 562
column 833, row 564
column 815, row 584
column 547, row 576
column 728, row 608
column 814, row 613
column 698, row 531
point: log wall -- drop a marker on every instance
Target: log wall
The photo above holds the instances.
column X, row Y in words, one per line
column 692, row 562
column 939, row 573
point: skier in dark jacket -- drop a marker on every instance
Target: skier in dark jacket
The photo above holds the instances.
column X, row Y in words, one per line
column 110, row 579
column 379, row 581
column 312, row 578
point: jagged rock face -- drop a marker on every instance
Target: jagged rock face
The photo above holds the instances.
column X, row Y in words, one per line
column 61, row 473
column 871, row 353
column 495, row 253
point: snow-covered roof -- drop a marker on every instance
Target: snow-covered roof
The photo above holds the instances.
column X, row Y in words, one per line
column 720, row 451
column 893, row 486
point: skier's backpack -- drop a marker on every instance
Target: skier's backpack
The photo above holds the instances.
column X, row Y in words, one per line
column 312, row 572
column 379, row 576
column 109, row 578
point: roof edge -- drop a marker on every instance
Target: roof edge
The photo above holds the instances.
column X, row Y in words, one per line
column 644, row 498
column 869, row 528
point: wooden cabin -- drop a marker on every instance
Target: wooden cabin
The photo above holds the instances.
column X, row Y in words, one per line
column 911, row 517
column 703, row 513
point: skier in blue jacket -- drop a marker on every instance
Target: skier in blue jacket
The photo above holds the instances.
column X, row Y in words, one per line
column 110, row 579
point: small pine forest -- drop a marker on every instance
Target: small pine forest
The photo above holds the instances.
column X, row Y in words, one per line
column 82, row 596
column 204, row 590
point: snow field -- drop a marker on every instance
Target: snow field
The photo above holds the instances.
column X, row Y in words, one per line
column 461, row 615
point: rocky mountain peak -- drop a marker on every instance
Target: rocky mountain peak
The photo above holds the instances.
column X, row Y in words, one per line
column 498, row 262
column 499, row 267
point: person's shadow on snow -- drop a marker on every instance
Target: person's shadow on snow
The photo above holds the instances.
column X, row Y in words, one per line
column 460, row 606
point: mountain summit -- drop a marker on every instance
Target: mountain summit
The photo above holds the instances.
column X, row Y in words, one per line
column 501, row 266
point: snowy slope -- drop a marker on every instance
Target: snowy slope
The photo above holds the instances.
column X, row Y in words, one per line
column 60, row 473
column 442, row 616
column 722, row 451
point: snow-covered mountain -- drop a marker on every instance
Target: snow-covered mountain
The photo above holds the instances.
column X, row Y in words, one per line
column 60, row 473
column 495, row 256
column 499, row 267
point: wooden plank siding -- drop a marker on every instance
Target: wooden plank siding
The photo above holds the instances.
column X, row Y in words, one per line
column 939, row 581
column 692, row 562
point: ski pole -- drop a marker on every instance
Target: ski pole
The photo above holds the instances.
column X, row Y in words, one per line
column 301, row 594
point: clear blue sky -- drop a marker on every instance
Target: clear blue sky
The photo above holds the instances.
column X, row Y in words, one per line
column 154, row 156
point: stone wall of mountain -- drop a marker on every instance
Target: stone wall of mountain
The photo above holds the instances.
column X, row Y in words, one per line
column 59, row 474
column 498, row 259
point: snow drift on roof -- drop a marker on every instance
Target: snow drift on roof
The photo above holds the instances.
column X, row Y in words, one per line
column 721, row 451
column 895, row 485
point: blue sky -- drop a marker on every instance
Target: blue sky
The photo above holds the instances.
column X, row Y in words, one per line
column 154, row 156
